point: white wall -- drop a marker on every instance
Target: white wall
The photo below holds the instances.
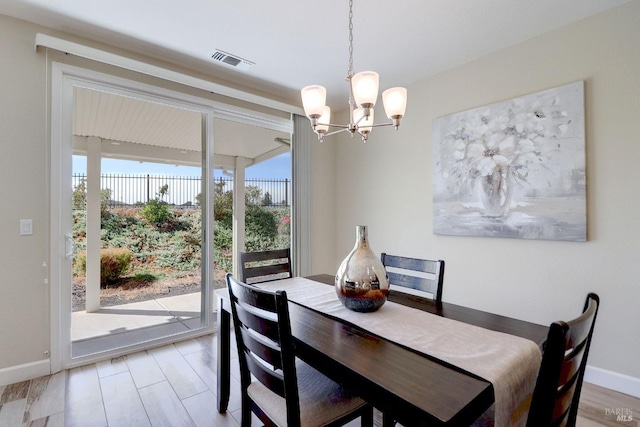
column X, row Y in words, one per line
column 24, row 300
column 386, row 184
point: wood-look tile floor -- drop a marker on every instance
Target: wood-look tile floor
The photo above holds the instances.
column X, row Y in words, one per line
column 175, row 385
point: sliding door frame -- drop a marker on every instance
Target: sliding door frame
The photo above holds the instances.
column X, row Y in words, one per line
column 63, row 78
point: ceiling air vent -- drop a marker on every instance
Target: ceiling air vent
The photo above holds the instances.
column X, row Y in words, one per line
column 231, row 60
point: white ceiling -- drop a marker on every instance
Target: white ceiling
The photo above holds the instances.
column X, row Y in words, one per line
column 295, row 43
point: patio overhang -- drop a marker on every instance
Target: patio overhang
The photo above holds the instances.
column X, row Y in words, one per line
column 140, row 130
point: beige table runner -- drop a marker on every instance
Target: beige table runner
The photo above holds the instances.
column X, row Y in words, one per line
column 510, row 363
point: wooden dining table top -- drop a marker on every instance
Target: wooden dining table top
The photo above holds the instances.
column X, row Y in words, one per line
column 495, row 322
column 414, row 388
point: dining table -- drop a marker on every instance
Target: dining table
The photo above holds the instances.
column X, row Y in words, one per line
column 408, row 385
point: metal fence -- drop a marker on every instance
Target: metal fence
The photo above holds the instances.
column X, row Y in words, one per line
column 182, row 191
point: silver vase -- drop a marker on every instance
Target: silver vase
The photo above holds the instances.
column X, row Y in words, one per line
column 361, row 281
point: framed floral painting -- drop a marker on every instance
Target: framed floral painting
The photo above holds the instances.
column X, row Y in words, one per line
column 515, row 168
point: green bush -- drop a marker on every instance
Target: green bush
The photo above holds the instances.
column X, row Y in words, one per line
column 114, row 263
column 183, row 252
column 261, row 223
column 105, row 196
column 79, row 223
column 222, row 236
column 156, row 212
column 80, row 195
column 223, row 206
column 222, row 245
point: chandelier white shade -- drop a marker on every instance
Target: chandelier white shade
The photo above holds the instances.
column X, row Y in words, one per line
column 314, row 99
column 395, row 102
column 365, row 88
column 363, row 94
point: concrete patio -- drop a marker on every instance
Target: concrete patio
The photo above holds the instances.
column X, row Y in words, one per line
column 117, row 326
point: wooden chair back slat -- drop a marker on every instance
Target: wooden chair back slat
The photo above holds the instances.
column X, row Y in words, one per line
column 413, row 273
column 269, row 270
column 261, row 324
column 267, row 255
column 571, row 366
column 413, row 282
column 557, row 391
column 564, row 399
column 273, row 380
column 264, row 348
column 415, row 264
column 264, row 266
column 251, row 298
column 578, row 332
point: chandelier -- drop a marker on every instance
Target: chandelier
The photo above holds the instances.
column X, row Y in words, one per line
column 363, row 93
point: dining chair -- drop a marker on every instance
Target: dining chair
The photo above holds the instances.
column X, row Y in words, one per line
column 423, row 275
column 279, row 388
column 264, row 266
column 557, row 391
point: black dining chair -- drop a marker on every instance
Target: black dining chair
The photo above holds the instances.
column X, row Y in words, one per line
column 557, row 392
column 564, row 359
column 279, row 388
column 264, row 266
column 423, row 275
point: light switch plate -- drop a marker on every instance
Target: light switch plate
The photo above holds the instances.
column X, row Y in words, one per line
column 26, row 227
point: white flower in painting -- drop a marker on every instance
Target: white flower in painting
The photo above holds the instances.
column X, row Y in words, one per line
column 476, row 150
column 511, row 135
column 458, row 154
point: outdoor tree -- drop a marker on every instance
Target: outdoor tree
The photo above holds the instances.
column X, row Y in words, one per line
column 79, row 197
column 266, row 200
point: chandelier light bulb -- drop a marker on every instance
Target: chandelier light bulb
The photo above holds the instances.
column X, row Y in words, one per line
column 365, row 88
column 364, row 124
column 395, row 102
column 314, row 98
column 323, row 122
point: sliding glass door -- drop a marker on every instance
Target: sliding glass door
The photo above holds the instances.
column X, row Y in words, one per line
column 139, row 235
column 137, row 206
column 130, row 168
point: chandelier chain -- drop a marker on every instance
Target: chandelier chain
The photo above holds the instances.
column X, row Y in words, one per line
column 350, row 72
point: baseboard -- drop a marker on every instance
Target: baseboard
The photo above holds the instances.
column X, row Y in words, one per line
column 612, row 380
column 27, row 371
